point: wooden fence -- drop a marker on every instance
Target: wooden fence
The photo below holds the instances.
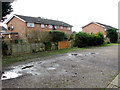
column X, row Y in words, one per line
column 22, row 48
column 64, row 44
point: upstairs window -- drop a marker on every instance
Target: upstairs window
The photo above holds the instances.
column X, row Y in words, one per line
column 50, row 26
column 61, row 27
column 42, row 25
column 30, row 24
column 69, row 28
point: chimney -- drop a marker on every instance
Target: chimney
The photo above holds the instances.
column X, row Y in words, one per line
column 39, row 19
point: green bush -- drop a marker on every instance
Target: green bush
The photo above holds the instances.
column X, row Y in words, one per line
column 57, row 36
column 48, row 46
column 83, row 39
column 4, row 49
column 112, row 35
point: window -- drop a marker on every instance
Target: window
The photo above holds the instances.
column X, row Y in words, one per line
column 69, row 28
column 55, row 27
column 42, row 25
column 30, row 25
column 50, row 26
column 61, row 27
column 37, row 25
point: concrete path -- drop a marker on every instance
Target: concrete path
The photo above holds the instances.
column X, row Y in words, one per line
column 114, row 83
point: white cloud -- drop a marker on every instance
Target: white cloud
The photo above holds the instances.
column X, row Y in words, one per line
column 75, row 12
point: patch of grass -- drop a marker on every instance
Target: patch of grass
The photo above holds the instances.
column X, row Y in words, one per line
column 103, row 45
column 23, row 57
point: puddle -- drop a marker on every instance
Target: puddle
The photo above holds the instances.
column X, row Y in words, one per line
column 78, row 54
column 10, row 75
column 51, row 68
column 75, row 54
column 33, row 68
column 27, row 67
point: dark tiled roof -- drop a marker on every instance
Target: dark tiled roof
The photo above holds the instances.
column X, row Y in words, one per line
column 43, row 21
column 106, row 26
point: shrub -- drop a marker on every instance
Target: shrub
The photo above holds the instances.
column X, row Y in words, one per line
column 112, row 35
column 100, row 39
column 83, row 39
column 36, row 36
column 57, row 36
column 68, row 37
column 4, row 48
column 48, row 46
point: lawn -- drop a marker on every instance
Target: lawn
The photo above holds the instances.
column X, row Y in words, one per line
column 23, row 57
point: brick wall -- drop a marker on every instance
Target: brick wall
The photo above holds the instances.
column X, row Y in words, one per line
column 22, row 29
column 19, row 26
column 93, row 28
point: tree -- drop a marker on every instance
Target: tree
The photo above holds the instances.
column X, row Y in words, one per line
column 57, row 36
column 112, row 35
column 38, row 36
column 6, row 9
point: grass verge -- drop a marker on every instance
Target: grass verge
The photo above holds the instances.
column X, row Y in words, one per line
column 23, row 57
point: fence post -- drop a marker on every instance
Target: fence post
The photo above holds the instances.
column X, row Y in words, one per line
column 17, row 50
column 11, row 46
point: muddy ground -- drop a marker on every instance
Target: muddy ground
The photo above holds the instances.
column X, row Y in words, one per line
column 88, row 68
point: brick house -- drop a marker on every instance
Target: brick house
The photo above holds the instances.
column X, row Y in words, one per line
column 96, row 27
column 18, row 25
column 2, row 29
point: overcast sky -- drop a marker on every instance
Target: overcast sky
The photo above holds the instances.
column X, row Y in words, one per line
column 75, row 12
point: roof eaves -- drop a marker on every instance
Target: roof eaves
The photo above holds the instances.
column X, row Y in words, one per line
column 87, row 24
column 99, row 24
column 7, row 21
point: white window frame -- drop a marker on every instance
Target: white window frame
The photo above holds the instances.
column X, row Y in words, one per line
column 69, row 28
column 50, row 26
column 30, row 25
column 42, row 25
column 61, row 27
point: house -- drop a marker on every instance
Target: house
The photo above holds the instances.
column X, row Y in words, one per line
column 96, row 27
column 18, row 25
column 2, row 29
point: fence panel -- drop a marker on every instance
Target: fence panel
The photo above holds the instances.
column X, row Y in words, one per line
column 62, row 44
column 22, row 48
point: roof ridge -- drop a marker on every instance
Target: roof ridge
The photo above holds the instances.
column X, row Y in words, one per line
column 42, row 20
column 105, row 25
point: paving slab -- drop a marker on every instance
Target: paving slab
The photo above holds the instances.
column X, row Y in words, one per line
column 114, row 83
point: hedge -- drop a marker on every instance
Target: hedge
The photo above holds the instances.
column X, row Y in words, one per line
column 112, row 35
column 57, row 36
column 83, row 39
